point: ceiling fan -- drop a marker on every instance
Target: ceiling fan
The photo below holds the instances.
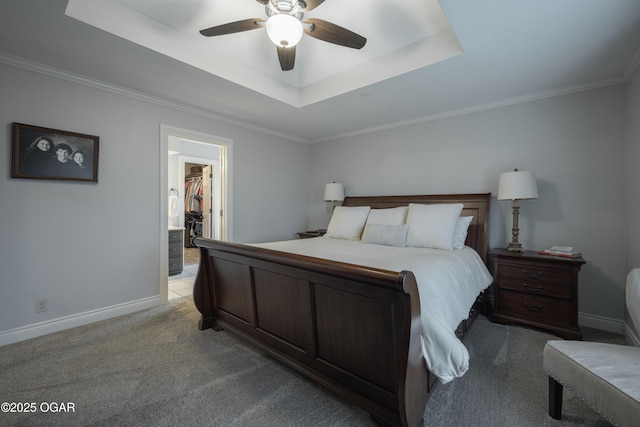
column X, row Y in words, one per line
column 285, row 27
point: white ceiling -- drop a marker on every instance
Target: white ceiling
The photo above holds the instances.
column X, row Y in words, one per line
column 422, row 60
column 323, row 70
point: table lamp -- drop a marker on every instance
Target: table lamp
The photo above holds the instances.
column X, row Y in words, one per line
column 334, row 193
column 517, row 185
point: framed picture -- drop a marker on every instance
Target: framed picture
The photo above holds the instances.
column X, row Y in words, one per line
column 42, row 153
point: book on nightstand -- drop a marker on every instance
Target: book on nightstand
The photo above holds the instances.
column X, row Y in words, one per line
column 561, row 251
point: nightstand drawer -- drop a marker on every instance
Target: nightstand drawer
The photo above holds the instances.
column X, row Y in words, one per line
column 536, row 308
column 536, row 272
column 535, row 287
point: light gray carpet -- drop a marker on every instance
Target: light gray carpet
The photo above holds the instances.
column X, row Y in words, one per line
column 156, row 368
column 506, row 384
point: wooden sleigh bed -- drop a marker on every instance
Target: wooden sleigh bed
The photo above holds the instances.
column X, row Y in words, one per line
column 310, row 313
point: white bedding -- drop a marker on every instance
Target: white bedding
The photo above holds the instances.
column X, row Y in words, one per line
column 449, row 282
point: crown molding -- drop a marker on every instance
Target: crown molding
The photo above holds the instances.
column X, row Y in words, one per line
column 65, row 75
column 479, row 108
column 140, row 96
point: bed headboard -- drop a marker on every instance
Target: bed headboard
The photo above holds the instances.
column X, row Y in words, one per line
column 476, row 205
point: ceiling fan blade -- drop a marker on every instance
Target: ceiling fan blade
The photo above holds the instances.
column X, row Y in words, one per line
column 287, row 57
column 233, row 27
column 312, row 4
column 332, row 33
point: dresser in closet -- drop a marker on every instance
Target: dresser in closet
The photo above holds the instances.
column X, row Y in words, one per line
column 175, row 250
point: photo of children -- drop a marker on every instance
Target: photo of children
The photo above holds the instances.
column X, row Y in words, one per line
column 43, row 153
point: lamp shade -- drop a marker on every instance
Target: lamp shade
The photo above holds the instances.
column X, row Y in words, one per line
column 517, row 185
column 284, row 30
column 333, row 192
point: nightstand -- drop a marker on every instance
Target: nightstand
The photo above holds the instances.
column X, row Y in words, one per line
column 537, row 290
column 311, row 233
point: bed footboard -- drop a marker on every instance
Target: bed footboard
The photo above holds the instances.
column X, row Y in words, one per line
column 352, row 329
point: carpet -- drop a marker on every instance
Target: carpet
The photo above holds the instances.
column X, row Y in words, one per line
column 156, row 368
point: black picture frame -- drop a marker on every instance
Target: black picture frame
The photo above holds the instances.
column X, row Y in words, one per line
column 52, row 154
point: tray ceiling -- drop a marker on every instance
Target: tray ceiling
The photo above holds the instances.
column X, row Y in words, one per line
column 401, row 37
column 499, row 53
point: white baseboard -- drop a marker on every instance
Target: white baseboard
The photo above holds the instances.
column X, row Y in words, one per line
column 602, row 323
column 610, row 325
column 60, row 324
column 631, row 335
column 55, row 325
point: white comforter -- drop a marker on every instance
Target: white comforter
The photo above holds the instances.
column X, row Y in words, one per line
column 448, row 283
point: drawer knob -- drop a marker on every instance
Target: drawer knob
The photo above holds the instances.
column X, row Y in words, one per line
column 528, row 307
column 529, row 288
column 534, row 275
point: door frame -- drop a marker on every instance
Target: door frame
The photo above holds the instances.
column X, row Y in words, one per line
column 226, row 192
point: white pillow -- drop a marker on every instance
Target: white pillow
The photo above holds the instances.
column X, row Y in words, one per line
column 347, row 222
column 385, row 234
column 390, row 216
column 432, row 226
column 460, row 235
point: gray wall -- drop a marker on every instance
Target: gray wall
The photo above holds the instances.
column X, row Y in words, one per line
column 574, row 143
column 633, row 174
column 93, row 250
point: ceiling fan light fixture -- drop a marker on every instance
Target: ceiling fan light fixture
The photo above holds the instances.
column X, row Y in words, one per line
column 284, row 30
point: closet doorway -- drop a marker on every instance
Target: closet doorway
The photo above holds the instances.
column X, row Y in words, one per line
column 196, row 202
column 202, row 204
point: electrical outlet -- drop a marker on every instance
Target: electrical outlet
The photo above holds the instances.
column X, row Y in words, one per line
column 41, row 305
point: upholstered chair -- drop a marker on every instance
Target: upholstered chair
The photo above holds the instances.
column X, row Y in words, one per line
column 607, row 376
